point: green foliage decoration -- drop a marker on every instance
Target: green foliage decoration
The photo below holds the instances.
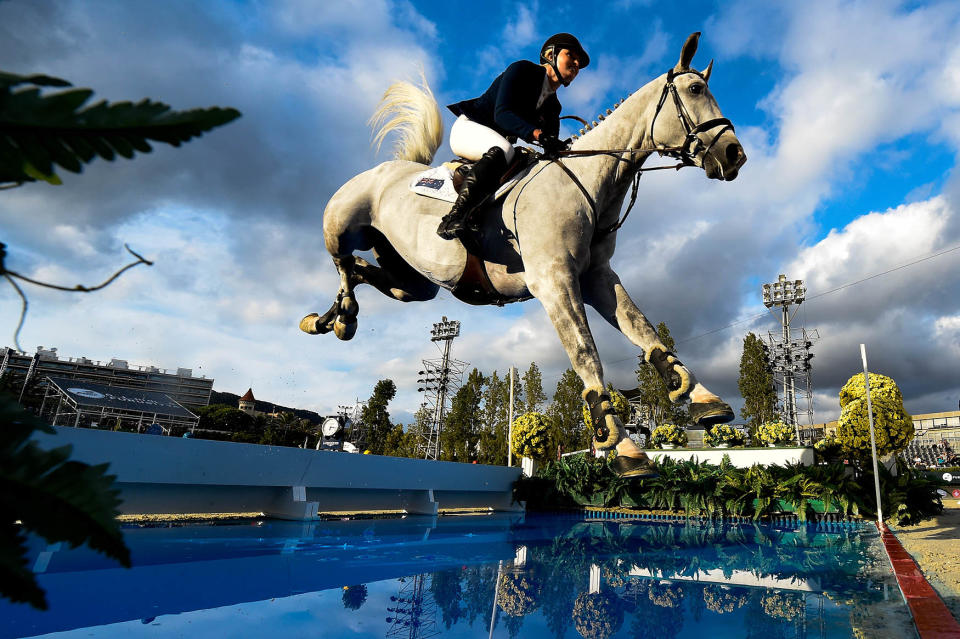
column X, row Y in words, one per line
column 51, row 496
column 597, row 615
column 776, row 433
column 723, row 434
column 669, row 434
column 529, row 437
column 893, row 427
column 38, row 131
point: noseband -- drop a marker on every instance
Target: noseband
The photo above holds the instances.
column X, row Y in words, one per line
column 692, row 145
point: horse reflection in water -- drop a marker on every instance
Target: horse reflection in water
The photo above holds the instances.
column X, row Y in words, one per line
column 552, row 237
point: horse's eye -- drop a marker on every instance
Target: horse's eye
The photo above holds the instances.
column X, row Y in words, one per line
column 696, row 89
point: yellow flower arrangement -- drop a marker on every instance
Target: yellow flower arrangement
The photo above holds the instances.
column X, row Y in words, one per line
column 783, row 605
column 721, row 599
column 597, row 615
column 893, row 426
column 529, row 438
column 723, row 434
column 518, row 594
column 668, row 434
column 665, row 594
column 776, row 433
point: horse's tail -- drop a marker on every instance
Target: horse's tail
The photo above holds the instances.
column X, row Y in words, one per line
column 413, row 112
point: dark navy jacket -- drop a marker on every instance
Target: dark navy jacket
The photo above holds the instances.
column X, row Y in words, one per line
column 509, row 105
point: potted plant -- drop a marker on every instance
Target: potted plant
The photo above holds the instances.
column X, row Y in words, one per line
column 723, row 436
column 782, row 605
column 529, row 440
column 668, row 436
column 597, row 615
column 775, row 434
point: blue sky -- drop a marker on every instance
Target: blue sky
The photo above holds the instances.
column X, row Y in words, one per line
column 849, row 113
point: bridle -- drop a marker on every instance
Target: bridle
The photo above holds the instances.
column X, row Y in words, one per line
column 686, row 153
column 692, row 144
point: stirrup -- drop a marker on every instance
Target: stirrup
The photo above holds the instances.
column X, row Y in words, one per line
column 603, row 418
column 675, row 374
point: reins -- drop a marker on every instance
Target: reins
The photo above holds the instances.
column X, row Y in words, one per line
column 686, row 152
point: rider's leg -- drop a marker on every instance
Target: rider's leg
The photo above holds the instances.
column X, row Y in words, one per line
column 492, row 153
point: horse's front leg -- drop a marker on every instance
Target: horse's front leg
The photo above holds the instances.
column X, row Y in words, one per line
column 558, row 290
column 604, row 292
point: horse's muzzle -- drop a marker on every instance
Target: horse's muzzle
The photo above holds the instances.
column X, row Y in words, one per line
column 724, row 160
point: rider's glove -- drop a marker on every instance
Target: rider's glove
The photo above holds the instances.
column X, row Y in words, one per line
column 552, row 145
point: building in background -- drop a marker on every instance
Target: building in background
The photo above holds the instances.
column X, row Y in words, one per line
column 182, row 386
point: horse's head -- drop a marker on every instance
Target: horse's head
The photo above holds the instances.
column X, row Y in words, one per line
column 689, row 123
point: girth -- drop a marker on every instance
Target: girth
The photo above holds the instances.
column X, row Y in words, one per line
column 474, row 286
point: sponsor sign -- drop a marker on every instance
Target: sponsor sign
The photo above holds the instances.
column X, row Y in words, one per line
column 956, row 492
column 947, row 477
column 91, row 394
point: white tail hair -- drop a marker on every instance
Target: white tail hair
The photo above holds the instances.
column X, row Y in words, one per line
column 413, row 112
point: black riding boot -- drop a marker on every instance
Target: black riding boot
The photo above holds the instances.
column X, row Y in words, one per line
column 480, row 183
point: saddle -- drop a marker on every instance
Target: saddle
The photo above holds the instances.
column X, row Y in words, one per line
column 443, row 183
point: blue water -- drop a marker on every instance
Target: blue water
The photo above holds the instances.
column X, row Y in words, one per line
column 423, row 577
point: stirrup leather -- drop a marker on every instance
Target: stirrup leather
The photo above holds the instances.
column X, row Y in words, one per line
column 675, row 374
column 603, row 418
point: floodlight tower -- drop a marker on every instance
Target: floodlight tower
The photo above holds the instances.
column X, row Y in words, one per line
column 784, row 293
column 413, row 611
column 439, row 380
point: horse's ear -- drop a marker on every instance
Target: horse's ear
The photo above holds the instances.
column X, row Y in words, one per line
column 707, row 71
column 689, row 49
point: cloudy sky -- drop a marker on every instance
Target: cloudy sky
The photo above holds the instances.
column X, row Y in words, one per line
column 849, row 113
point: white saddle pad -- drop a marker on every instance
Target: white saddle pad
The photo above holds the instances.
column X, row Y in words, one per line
column 438, row 183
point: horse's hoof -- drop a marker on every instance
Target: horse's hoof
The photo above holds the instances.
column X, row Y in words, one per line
column 311, row 324
column 640, row 467
column 348, row 306
column 710, row 413
column 345, row 328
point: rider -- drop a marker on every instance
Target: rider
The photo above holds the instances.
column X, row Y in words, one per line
column 521, row 103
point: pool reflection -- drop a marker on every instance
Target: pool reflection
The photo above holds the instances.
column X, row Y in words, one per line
column 471, row 576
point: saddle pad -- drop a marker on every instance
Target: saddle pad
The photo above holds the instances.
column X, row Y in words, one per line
column 437, row 183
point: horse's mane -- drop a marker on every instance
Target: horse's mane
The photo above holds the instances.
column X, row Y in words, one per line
column 413, row 112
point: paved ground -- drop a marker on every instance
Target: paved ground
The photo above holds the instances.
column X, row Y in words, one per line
column 935, row 545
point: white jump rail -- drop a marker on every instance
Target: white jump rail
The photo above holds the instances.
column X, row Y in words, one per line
column 166, row 475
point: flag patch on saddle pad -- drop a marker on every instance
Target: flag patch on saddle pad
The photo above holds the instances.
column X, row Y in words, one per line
column 437, row 183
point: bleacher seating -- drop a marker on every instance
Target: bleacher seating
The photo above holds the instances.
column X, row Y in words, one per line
column 930, row 455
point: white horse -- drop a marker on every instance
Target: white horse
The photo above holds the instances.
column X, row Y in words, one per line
column 551, row 237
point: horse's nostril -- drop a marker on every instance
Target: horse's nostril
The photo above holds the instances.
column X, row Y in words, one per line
column 734, row 153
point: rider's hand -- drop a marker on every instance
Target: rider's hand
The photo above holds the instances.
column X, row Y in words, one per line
column 552, row 145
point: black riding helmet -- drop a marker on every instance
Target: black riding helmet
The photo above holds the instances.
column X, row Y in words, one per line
column 560, row 41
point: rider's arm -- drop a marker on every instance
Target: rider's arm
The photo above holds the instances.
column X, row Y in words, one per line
column 520, row 87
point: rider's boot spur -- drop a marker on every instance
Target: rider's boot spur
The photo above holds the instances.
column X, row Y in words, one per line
column 480, row 183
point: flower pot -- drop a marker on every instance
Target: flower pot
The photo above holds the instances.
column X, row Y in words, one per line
column 667, row 446
column 529, row 466
column 771, row 445
column 722, row 446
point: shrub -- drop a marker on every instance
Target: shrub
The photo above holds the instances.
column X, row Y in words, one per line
column 776, row 433
column 529, row 437
column 723, row 434
column 893, row 427
column 597, row 615
column 668, row 434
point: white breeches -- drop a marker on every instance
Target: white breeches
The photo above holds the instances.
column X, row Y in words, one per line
column 470, row 140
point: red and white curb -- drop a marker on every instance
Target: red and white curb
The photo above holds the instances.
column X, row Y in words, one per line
column 930, row 615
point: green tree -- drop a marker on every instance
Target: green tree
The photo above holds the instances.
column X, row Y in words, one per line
column 354, row 596
column 533, row 395
column 653, row 390
column 461, row 428
column 493, row 433
column 756, row 384
column 564, row 413
column 400, row 443
column 376, row 418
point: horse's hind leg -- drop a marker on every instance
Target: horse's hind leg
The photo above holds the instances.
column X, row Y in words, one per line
column 341, row 317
